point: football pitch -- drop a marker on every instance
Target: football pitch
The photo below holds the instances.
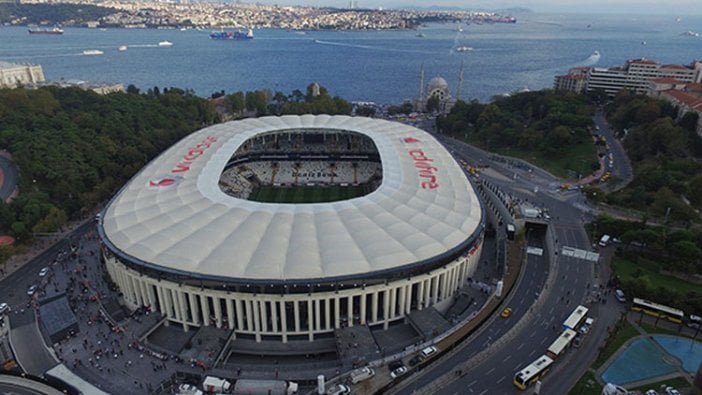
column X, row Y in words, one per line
column 301, row 194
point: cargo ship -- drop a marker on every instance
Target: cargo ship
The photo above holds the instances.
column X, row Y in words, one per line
column 44, row 30
column 238, row 35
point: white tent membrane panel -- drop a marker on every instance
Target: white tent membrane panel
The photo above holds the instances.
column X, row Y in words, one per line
column 174, row 215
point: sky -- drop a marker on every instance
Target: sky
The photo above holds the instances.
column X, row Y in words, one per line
column 672, row 7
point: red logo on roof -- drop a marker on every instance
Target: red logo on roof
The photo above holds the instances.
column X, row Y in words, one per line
column 165, row 182
column 410, row 140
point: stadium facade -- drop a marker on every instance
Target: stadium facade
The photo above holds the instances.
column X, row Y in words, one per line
column 177, row 240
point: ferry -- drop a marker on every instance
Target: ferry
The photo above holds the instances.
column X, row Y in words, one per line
column 464, row 49
column 92, row 52
column 165, row 44
column 122, row 48
column 43, row 30
column 237, row 35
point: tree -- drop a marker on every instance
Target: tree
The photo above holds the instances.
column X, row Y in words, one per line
column 433, row 104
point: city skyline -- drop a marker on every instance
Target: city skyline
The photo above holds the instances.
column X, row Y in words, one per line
column 677, row 7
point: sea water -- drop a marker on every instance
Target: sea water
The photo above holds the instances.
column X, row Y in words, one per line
column 380, row 66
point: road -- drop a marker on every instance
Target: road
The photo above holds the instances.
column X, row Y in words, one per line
column 620, row 166
column 538, row 324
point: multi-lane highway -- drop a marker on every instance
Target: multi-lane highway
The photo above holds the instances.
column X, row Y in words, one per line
column 488, row 362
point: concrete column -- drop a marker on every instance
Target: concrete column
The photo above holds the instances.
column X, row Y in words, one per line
column 137, row 291
column 327, row 313
column 230, row 313
column 420, row 295
column 239, row 314
column 349, row 312
column 427, row 292
column 178, row 312
column 217, row 305
column 393, row 302
column 205, row 306
column 256, row 319
column 296, row 313
column 386, row 308
column 194, row 308
column 317, row 315
column 183, row 310
column 274, row 316
column 364, row 296
column 337, row 314
column 283, row 321
column 310, row 320
column 169, row 302
column 408, row 298
column 249, row 316
column 152, row 296
column 435, row 290
column 374, row 307
column 264, row 315
column 144, row 291
column 401, row 299
column 161, row 301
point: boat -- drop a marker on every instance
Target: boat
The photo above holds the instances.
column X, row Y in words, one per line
column 44, row 30
column 165, row 44
column 464, row 49
column 237, row 35
column 122, row 48
column 459, row 29
column 421, row 35
column 92, row 52
column 690, row 33
column 595, row 54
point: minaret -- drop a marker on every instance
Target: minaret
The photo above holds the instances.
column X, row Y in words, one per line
column 460, row 82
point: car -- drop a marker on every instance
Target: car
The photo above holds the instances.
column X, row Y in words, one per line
column 4, row 307
column 428, row 351
column 506, row 312
column 651, row 392
column 43, row 272
column 415, row 360
column 32, row 289
column 671, row 391
column 339, row 389
column 398, row 372
column 395, row 364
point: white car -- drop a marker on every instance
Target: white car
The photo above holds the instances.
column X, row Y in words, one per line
column 671, row 391
column 31, row 290
column 398, row 372
column 4, row 307
column 651, row 392
column 43, row 272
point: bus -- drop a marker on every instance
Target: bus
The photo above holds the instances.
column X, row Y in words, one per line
column 533, row 372
column 658, row 310
column 576, row 318
column 561, row 344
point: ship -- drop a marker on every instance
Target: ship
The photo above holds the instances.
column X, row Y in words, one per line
column 92, row 52
column 165, row 44
column 44, row 30
column 464, row 49
column 237, row 35
column 122, row 48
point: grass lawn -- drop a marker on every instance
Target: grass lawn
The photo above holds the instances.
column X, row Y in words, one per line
column 630, row 270
column 579, row 158
column 678, row 382
column 304, row 194
column 587, row 385
column 624, row 332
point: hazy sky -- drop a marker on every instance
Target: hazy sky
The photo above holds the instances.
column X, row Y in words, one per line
column 674, row 7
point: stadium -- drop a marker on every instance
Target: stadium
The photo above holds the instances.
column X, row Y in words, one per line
column 289, row 228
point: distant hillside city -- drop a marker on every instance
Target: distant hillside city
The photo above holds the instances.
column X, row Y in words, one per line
column 142, row 14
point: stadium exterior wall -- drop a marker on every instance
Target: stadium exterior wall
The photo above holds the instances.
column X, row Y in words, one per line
column 293, row 316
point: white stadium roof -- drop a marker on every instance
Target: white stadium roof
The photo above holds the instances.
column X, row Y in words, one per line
column 173, row 215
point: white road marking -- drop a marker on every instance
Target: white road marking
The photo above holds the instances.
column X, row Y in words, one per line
column 520, row 346
column 491, row 370
column 484, row 392
column 472, row 383
column 501, row 379
column 507, row 358
column 532, row 353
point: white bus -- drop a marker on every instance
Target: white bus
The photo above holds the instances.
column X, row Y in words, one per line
column 658, row 310
column 576, row 318
column 533, row 372
column 561, row 344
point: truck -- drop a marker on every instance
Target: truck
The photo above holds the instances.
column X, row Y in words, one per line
column 361, row 374
column 213, row 384
column 604, row 241
column 264, row 387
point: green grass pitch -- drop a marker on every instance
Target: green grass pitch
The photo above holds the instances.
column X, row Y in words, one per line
column 304, row 194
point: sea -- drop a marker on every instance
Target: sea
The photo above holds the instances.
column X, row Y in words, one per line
column 377, row 66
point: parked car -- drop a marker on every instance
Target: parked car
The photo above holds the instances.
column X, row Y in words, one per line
column 398, row 372
column 415, row 360
column 339, row 389
column 506, row 312
column 671, row 391
column 43, row 272
column 651, row 392
column 32, row 289
column 4, row 307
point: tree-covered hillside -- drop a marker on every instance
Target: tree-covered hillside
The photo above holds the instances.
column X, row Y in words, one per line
column 51, row 14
